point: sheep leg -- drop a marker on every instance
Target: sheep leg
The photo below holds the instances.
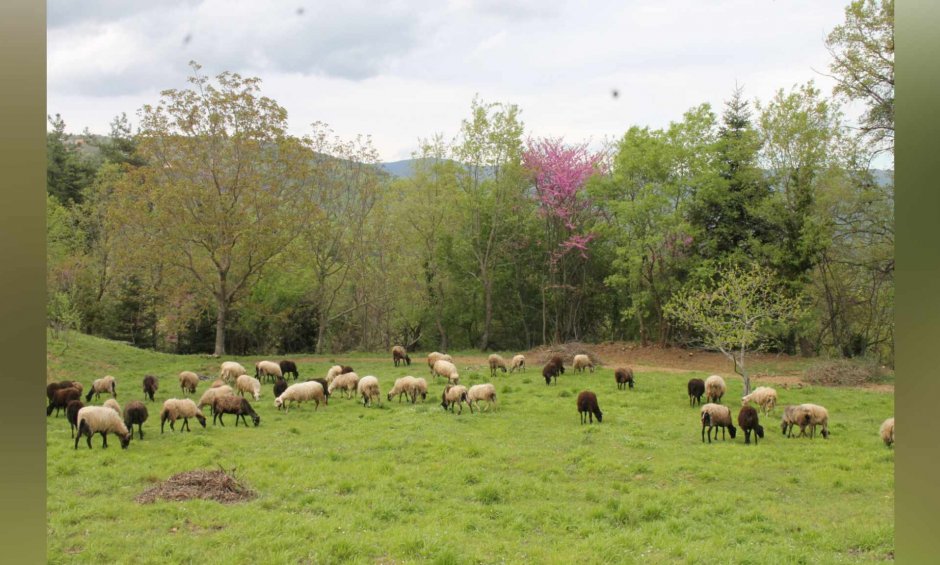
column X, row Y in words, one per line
column 90, row 433
column 104, row 439
column 185, row 424
column 220, row 420
column 747, row 437
column 140, row 430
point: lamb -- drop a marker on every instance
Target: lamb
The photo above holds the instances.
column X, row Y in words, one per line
column 714, row 389
column 104, row 384
column 433, row 358
column 518, row 362
column 247, row 383
column 496, row 362
column 624, row 377
column 113, row 405
column 71, row 414
column 188, row 381
column 696, row 390
column 299, row 392
column 150, row 386
column 61, row 398
column 289, row 368
column 551, row 370
column 448, row 370
column 400, row 355
column 886, row 431
column 814, row 415
column 234, row 405
column 347, row 382
column 747, row 419
column 280, row 386
column 764, row 396
column 368, row 388
column 420, row 386
column 230, row 370
column 716, row 416
column 135, row 413
column 481, row 392
column 454, row 394
column 403, row 386
column 265, row 369
column 587, row 406
column 211, row 394
column 176, row 408
column 582, row 362
column 99, row 419
column 791, row 415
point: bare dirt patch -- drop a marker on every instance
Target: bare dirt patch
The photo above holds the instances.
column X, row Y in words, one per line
column 201, row 483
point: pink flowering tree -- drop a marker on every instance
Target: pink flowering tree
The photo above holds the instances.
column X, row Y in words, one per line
column 559, row 172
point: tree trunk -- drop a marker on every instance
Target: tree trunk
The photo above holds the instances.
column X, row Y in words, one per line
column 321, row 331
column 220, row 327
column 487, row 313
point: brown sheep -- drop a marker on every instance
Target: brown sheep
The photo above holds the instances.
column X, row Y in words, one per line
column 587, row 406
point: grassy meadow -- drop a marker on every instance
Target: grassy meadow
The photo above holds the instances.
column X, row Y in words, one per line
column 402, row 483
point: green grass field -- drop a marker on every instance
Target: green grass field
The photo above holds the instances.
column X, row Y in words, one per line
column 526, row 483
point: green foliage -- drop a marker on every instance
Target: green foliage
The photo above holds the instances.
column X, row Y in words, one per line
column 67, row 172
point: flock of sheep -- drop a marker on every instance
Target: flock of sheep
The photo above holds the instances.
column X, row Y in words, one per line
column 221, row 397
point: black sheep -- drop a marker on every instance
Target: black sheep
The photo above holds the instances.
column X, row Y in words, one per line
column 234, row 405
column 150, row 386
column 552, row 369
column 346, row 369
column 71, row 414
column 326, row 387
column 61, row 399
column 280, row 385
column 135, row 413
column 747, row 419
column 696, row 390
column 289, row 368
column 587, row 405
column 624, row 377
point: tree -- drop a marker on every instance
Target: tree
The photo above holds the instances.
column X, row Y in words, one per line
column 862, row 50
column 67, row 173
column 733, row 312
column 223, row 192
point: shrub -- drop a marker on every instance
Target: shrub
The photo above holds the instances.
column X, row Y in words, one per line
column 845, row 372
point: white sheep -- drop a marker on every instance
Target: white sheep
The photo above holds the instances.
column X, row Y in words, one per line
column 104, row 384
column 481, row 392
column 113, row 405
column 447, row 370
column 582, row 362
column 433, row 358
column 210, row 395
column 217, row 383
column 764, row 396
column 247, row 383
column 333, row 372
column 419, row 387
column 887, row 431
column 103, row 420
column 714, row 389
column 716, row 416
column 188, row 381
column 814, row 415
column 346, row 382
column 496, row 362
column 792, row 415
column 403, row 386
column 518, row 362
column 300, row 392
column 368, row 387
column 230, row 370
column 454, row 394
column 265, row 369
column 176, row 408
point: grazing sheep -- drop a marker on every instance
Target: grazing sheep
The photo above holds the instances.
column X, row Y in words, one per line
column 230, row 370
column 448, row 358
column 234, row 405
column 454, row 394
column 289, row 368
column 325, row 385
column 52, row 387
column 716, row 416
column 102, row 420
column 433, row 358
column 714, row 389
column 814, row 415
column 211, row 394
column 587, row 406
column 558, row 360
column 345, row 369
column 448, row 370
column 113, row 405
column 71, row 414
column 496, row 362
column 333, row 372
column 217, row 383
column 518, row 362
column 346, row 382
column 400, row 355
column 791, row 415
column 176, row 408
column 135, row 413
column 61, row 398
column 403, row 386
column 747, row 419
column 247, row 383
column 280, row 386
column 764, row 396
column 624, row 377
column 886, row 431
column 300, row 392
column 104, row 384
column 150, row 386
column 551, row 370
column 188, row 382
column 420, row 386
column 696, row 390
column 481, row 392
column 265, row 369
column 582, row 362
column 368, row 388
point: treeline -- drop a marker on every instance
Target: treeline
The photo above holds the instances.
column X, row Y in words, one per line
column 211, row 228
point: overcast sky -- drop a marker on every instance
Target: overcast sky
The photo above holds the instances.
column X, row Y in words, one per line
column 400, row 71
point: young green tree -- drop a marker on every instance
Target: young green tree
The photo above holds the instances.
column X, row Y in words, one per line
column 67, row 172
column 733, row 312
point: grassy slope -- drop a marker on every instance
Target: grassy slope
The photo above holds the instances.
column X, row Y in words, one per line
column 404, row 483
